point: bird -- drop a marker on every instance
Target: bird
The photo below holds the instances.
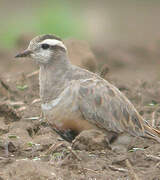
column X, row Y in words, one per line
column 75, row 99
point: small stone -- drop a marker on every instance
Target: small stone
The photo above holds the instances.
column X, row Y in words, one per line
column 91, row 140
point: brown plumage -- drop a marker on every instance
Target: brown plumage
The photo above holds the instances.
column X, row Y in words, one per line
column 74, row 99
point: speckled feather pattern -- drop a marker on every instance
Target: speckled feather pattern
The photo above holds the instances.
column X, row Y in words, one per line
column 86, row 95
column 77, row 99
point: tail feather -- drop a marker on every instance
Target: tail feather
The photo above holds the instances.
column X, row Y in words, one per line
column 151, row 132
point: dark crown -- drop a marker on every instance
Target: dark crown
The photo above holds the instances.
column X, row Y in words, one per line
column 43, row 37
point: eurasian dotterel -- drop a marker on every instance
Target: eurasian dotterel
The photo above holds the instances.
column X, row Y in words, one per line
column 74, row 99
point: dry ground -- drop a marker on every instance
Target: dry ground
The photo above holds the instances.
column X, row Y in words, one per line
column 31, row 150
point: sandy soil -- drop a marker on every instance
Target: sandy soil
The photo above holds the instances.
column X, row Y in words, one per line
column 31, row 150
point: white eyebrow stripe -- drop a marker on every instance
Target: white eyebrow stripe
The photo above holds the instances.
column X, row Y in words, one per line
column 54, row 42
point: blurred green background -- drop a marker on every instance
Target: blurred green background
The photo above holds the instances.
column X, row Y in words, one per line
column 127, row 21
column 20, row 17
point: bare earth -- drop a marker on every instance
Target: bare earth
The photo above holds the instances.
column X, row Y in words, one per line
column 31, row 150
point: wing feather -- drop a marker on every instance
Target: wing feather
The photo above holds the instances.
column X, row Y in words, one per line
column 105, row 106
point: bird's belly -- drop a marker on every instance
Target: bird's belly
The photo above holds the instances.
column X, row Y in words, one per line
column 76, row 124
column 66, row 117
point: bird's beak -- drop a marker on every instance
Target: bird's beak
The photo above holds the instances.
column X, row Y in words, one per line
column 25, row 53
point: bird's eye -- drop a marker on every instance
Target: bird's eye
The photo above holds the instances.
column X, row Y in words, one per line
column 45, row 46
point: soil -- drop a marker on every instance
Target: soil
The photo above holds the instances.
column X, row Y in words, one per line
column 31, row 150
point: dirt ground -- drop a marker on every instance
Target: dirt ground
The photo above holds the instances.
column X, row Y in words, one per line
column 31, row 150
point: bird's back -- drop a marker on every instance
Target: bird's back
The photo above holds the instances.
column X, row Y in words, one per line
column 103, row 105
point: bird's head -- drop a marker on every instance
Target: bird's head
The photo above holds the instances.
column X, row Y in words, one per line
column 44, row 49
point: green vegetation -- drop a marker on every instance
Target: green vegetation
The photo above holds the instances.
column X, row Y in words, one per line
column 59, row 19
column 22, row 88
